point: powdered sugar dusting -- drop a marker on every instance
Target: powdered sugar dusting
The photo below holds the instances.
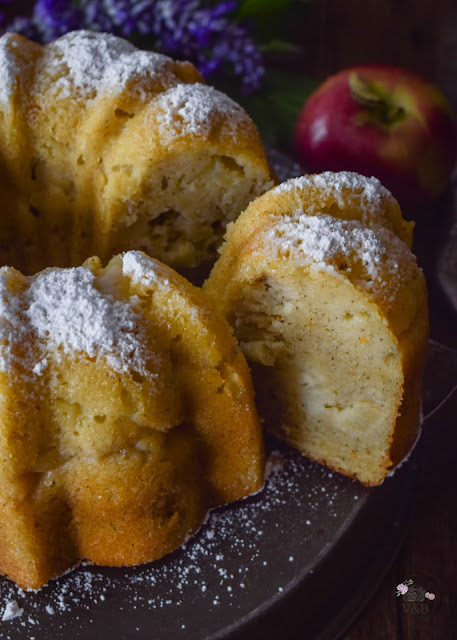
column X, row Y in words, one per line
column 86, row 63
column 335, row 182
column 246, row 552
column 68, row 309
column 11, row 611
column 140, row 268
column 347, row 189
column 13, row 331
column 193, row 109
column 40, row 367
column 145, row 271
column 373, row 258
column 9, row 69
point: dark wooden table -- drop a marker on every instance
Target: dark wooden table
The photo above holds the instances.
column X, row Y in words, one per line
column 420, row 35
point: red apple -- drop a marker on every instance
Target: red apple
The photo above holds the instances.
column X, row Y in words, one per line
column 385, row 122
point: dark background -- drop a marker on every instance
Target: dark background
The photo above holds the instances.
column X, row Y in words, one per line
column 416, row 34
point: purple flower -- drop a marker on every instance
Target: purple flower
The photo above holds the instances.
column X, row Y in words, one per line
column 180, row 28
column 56, row 17
column 209, row 39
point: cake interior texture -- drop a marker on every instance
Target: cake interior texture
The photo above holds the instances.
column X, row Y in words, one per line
column 331, row 313
column 107, row 148
column 126, row 412
column 328, row 375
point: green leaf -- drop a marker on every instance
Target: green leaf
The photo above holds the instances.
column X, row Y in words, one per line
column 255, row 106
column 256, row 8
column 280, row 46
column 276, row 108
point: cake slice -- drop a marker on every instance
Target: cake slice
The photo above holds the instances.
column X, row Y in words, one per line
column 330, row 309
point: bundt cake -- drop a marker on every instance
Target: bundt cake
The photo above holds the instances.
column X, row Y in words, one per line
column 330, row 308
column 106, row 148
column 126, row 412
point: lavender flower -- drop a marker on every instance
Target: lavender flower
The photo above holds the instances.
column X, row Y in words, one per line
column 209, row 39
column 56, row 17
column 180, row 28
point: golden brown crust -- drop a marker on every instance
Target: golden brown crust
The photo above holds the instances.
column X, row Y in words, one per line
column 216, row 382
column 274, row 258
column 413, row 344
column 106, row 148
column 121, row 468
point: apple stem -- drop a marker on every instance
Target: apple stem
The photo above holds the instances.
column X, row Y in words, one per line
column 381, row 108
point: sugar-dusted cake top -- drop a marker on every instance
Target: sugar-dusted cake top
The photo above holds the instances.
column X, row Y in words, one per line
column 10, row 68
column 337, row 183
column 373, row 257
column 83, row 65
column 347, row 189
column 88, row 63
column 140, row 269
column 191, row 109
column 70, row 311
